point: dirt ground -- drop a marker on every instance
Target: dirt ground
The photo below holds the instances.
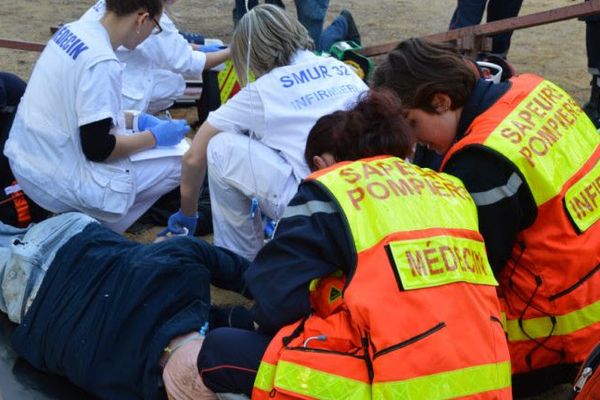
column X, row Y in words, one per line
column 555, row 51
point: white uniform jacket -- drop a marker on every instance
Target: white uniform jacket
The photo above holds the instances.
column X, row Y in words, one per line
column 154, row 71
column 281, row 107
column 76, row 81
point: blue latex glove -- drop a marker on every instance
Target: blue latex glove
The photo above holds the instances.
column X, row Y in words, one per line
column 146, row 121
column 170, row 132
column 178, row 223
column 211, row 48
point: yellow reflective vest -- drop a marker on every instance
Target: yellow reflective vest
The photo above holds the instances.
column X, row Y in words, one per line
column 419, row 317
column 550, row 287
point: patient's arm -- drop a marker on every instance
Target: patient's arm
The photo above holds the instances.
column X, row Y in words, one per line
column 310, row 242
column 226, row 268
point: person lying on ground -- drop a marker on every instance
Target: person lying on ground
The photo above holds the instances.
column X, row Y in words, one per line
column 254, row 144
column 111, row 315
column 68, row 147
column 528, row 155
column 373, row 283
column 102, row 306
column 155, row 71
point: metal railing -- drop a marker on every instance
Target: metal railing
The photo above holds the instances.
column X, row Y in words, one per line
column 470, row 40
column 474, row 39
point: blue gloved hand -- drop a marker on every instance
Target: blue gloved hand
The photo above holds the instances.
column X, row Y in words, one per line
column 146, row 121
column 211, row 48
column 179, row 223
column 170, row 132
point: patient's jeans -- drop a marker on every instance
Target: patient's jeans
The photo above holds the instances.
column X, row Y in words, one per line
column 26, row 254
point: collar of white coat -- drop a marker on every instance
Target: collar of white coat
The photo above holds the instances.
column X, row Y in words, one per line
column 302, row 56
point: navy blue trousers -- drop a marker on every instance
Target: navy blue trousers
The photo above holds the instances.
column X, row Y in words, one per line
column 311, row 14
column 229, row 359
column 470, row 12
column 592, row 44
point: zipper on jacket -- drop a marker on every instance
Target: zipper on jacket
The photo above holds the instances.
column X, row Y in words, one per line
column 365, row 343
column 576, row 285
column 323, row 351
column 587, row 372
column 410, row 341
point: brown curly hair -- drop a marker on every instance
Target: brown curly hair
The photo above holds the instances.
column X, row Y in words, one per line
column 374, row 126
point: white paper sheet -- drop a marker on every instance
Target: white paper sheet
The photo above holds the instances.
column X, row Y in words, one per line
column 159, row 152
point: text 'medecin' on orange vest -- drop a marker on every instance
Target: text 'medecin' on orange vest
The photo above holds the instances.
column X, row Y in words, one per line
column 419, row 317
column 550, row 287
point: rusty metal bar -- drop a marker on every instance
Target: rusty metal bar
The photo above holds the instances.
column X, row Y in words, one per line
column 471, row 38
column 491, row 28
column 18, row 45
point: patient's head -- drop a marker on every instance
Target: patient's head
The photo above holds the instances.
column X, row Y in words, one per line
column 374, row 126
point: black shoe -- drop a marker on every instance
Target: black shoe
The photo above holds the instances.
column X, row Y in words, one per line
column 592, row 107
column 352, row 32
column 192, row 37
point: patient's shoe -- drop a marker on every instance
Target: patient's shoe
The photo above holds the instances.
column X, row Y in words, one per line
column 193, row 37
column 352, row 32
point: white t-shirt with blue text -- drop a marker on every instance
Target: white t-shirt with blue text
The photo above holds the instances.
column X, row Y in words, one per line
column 281, row 107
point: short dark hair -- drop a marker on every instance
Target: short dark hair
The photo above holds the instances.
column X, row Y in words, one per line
column 419, row 68
column 374, row 127
column 125, row 7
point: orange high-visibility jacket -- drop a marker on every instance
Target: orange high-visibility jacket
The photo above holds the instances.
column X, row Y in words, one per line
column 419, row 317
column 550, row 287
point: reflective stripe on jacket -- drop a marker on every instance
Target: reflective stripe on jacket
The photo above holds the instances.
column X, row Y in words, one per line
column 550, row 287
column 419, row 316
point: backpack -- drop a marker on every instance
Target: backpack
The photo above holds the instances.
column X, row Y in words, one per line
column 16, row 208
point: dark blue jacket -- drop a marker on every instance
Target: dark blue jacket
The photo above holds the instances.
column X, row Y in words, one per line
column 310, row 242
column 107, row 308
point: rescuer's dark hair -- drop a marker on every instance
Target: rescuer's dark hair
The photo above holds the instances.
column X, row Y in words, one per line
column 418, row 68
column 126, row 7
column 374, row 126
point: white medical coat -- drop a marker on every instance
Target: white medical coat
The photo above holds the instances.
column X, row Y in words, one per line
column 155, row 71
column 76, row 81
column 281, row 107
